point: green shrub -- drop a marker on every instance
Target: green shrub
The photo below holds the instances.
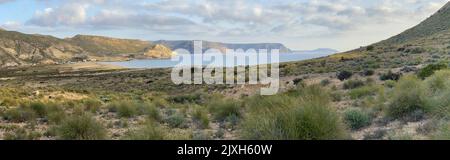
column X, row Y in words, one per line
column 440, row 104
column 124, row 109
column 370, row 48
column 343, row 75
column 92, row 105
column 361, row 92
column 176, row 120
column 221, row 109
column 430, row 69
column 150, row 131
column 188, row 98
column 82, row 127
column 325, row 82
column 55, row 114
column 352, row 84
column 368, row 72
column 390, row 76
column 39, row 108
column 439, row 82
column 150, row 110
column 18, row 115
column 336, row 96
column 201, row 117
column 390, row 83
column 22, row 134
column 442, row 132
column 306, row 116
column 356, row 118
column 408, row 97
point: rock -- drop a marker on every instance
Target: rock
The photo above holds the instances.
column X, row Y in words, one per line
column 159, row 51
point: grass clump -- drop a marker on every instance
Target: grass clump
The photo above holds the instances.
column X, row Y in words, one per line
column 305, row 115
column 408, row 97
column 176, row 120
column 81, row 127
column 19, row 115
column 439, row 82
column 22, row 134
column 390, row 76
column 430, row 69
column 221, row 109
column 92, row 105
column 357, row 119
column 124, row 109
column 150, row 131
column 439, row 97
column 352, row 84
column 200, row 116
column 370, row 90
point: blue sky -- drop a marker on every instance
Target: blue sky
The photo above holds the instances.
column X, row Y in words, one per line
column 300, row 24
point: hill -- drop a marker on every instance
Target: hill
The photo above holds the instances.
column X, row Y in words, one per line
column 24, row 49
column 318, row 51
column 188, row 45
column 106, row 45
column 428, row 42
column 18, row 49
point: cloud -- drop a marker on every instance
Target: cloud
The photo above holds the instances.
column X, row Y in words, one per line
column 251, row 20
column 11, row 25
column 68, row 14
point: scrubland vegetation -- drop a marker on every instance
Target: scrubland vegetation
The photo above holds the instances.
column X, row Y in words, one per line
column 333, row 108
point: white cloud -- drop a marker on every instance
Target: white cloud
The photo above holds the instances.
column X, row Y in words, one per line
column 298, row 23
column 68, row 14
column 11, row 25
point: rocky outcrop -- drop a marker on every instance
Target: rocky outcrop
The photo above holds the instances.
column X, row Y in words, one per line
column 18, row 49
column 158, row 51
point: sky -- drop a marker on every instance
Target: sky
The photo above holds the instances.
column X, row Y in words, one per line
column 299, row 24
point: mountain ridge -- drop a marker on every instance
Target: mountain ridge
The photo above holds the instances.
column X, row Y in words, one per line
column 188, row 45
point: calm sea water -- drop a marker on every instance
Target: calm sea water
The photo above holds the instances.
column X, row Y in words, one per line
column 169, row 63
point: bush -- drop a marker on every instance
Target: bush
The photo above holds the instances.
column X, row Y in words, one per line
column 430, row 69
column 439, row 82
column 390, row 83
column 83, row 127
column 201, row 117
column 325, row 82
column 352, row 84
column 306, row 116
column 124, row 109
column 440, row 104
column 408, row 97
column 39, row 108
column 150, row 131
column 188, row 98
column 221, row 109
column 368, row 72
column 390, row 76
column 357, row 118
column 55, row 114
column 370, row 48
column 92, row 105
column 150, row 110
column 343, row 75
column 19, row 115
column 370, row 90
column 176, row 120
column 22, row 134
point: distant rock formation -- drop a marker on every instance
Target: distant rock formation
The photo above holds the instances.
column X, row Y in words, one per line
column 206, row 45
